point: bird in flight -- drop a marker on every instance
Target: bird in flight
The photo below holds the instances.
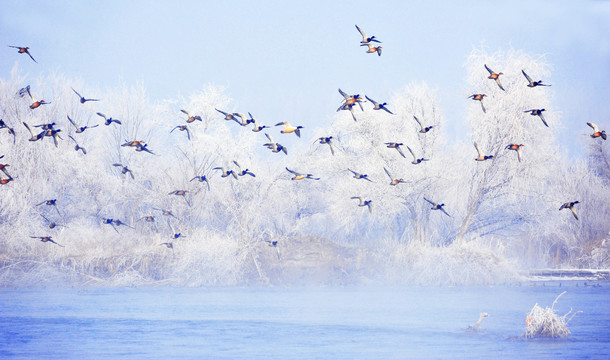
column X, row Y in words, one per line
column 365, row 38
column 24, row 50
column 82, row 98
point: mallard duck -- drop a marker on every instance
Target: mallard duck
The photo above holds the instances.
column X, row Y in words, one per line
column 299, row 176
column 3, row 168
column 436, row 206
column 34, row 137
column 168, row 245
column 118, row 222
column 181, row 193
column 191, row 118
column 80, row 129
column 596, row 132
column 350, row 100
column 24, row 50
column 182, row 128
column 378, row 106
column 54, row 133
column 395, row 145
column 422, row 129
column 479, row 97
column 78, row 147
column 570, row 205
column 38, row 103
column 52, row 202
column 143, row 147
column 202, row 178
column 133, row 143
column 108, row 120
column 52, row 224
column 226, row 173
column 110, row 222
column 360, row 176
column 538, row 112
column 166, row 212
column 517, row 148
column 82, row 98
column 256, row 127
column 494, row 76
column 243, row 172
column 46, row 239
column 415, row 159
column 244, row 121
column 328, row 140
column 274, row 244
column 289, row 128
column 531, row 82
column 373, row 49
column 124, row 170
column 363, row 202
column 393, row 180
column 482, row 156
column 365, row 38
column 275, row 147
column 228, row 116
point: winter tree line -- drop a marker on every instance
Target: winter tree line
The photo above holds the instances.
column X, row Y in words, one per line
column 502, row 214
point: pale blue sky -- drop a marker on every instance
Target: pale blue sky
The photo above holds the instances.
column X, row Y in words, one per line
column 285, row 60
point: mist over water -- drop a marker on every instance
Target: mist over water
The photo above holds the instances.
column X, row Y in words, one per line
column 295, row 323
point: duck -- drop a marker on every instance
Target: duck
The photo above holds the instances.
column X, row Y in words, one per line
column 52, row 202
column 363, row 202
column 108, row 120
column 176, row 234
column 143, row 147
column 257, row 127
column 228, row 116
column 436, row 206
column 393, row 180
column 82, row 98
column 570, row 205
column 183, row 128
column 328, row 140
column 378, row 106
column 34, row 137
column 46, row 239
column 166, row 212
column 531, row 82
column 423, row 129
column 110, row 222
column 275, row 147
column 118, row 222
column 226, row 173
column 365, row 38
column 180, row 193
column 350, row 108
column 596, row 132
column 350, row 100
column 244, row 119
column 191, row 118
column 24, row 50
column 80, row 129
column 38, row 103
column 47, row 126
column 395, row 145
column 373, row 49
column 124, row 170
column 274, row 244
column 482, row 156
column 147, row 218
column 243, row 172
column 300, row 176
column 11, row 131
column 517, row 148
column 52, row 224
column 359, row 176
column 415, row 159
column 494, row 76
column 3, row 168
column 288, row 128
column 54, row 133
column 479, row 97
column 538, row 112
column 78, row 147
column 202, row 178
column 5, row 181
column 133, row 143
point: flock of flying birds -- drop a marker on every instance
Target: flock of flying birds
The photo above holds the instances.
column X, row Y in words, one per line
column 349, row 103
